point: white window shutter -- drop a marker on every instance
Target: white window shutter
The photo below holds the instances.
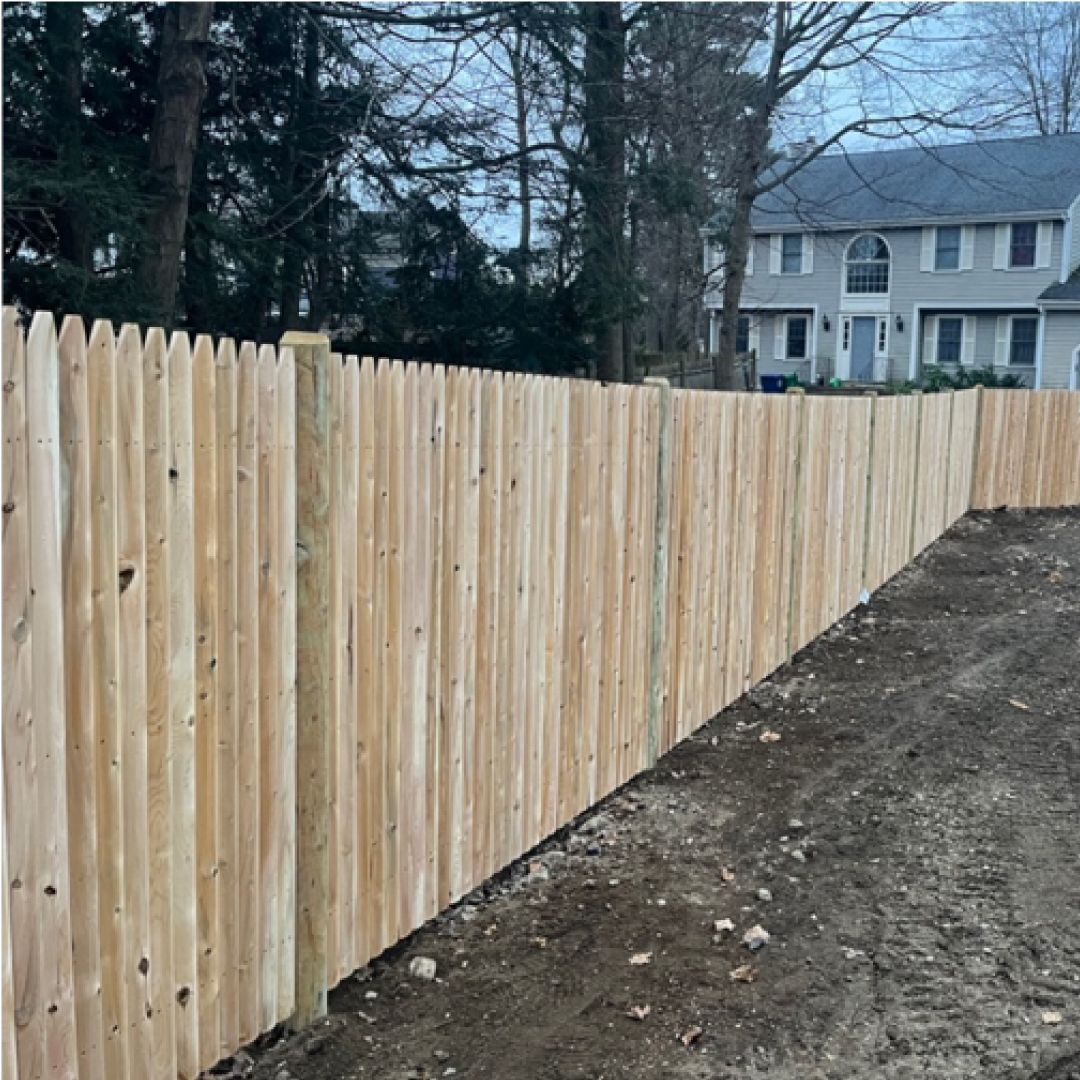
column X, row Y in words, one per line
column 929, row 341
column 780, row 337
column 1043, row 243
column 774, row 253
column 807, row 254
column 926, row 263
column 967, row 247
column 967, row 348
column 1001, row 341
column 750, row 258
column 1001, row 247
column 755, row 336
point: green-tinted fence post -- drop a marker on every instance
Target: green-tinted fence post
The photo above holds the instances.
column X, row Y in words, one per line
column 313, row 717
column 660, row 563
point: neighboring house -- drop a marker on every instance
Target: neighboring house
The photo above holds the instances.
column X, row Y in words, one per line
column 870, row 266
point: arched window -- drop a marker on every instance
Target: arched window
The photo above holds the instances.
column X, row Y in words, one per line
column 867, row 265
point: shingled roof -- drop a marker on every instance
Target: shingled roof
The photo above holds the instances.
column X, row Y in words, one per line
column 1036, row 175
column 1067, row 291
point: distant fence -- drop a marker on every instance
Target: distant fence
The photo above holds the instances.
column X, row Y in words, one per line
column 297, row 651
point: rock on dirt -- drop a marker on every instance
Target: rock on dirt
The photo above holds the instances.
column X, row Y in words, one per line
column 422, row 967
column 757, row 937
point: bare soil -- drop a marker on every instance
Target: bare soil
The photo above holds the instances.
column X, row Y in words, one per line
column 917, row 826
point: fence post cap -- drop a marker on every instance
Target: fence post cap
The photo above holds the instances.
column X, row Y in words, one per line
column 304, row 337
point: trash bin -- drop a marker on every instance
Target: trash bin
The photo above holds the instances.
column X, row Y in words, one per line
column 773, row 384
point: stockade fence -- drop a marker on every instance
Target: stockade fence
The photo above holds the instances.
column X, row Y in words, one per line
column 298, row 649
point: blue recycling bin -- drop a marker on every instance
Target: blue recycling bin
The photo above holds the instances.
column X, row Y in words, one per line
column 773, row 384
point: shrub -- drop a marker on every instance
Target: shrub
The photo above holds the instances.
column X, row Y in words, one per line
column 936, row 379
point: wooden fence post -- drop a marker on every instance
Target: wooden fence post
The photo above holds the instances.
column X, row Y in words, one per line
column 311, row 353
column 795, row 555
column 659, row 582
column 976, row 439
column 948, row 462
column 915, row 501
column 867, row 517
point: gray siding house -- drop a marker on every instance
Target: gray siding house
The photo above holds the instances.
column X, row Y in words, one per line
column 870, row 266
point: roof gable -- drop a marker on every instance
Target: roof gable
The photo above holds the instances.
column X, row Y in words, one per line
column 1038, row 175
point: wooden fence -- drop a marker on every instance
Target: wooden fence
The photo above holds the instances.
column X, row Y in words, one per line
column 297, row 651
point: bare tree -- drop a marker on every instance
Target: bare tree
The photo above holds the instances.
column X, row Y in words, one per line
column 684, row 91
column 1027, row 64
column 807, row 42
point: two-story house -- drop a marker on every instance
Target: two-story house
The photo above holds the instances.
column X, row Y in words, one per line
column 871, row 266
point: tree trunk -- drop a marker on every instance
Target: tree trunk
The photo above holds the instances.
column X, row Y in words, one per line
column 604, row 269
column 307, row 187
column 724, row 375
column 198, row 285
column 756, row 140
column 523, row 261
column 173, row 138
column 63, row 42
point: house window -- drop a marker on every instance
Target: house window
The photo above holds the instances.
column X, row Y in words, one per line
column 846, row 335
column 1022, row 241
column 796, row 337
column 791, row 253
column 742, row 335
column 947, row 250
column 1024, row 333
column 867, row 266
column 950, row 340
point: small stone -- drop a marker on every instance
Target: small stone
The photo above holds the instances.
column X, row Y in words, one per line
column 723, row 926
column 1051, row 1016
column 755, row 938
column 799, row 855
column 764, row 896
column 283, row 1074
column 538, row 871
column 422, row 967
column 593, row 849
column 370, row 995
column 442, row 1055
column 795, row 824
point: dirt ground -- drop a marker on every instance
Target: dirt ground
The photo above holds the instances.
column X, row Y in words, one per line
column 916, row 827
